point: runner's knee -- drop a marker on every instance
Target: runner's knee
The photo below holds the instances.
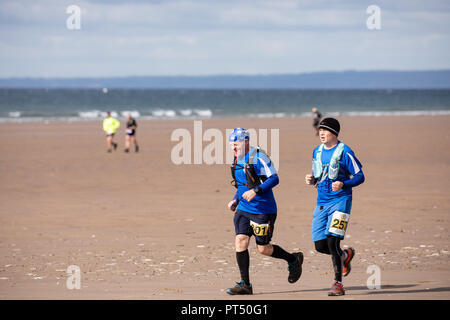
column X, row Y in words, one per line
column 265, row 249
column 334, row 245
column 241, row 242
column 322, row 246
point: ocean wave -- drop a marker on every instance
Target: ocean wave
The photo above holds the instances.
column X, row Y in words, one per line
column 133, row 113
column 91, row 114
column 396, row 113
column 203, row 113
column 41, row 119
column 160, row 114
column 14, row 114
column 164, row 113
column 274, row 115
column 186, row 112
column 97, row 114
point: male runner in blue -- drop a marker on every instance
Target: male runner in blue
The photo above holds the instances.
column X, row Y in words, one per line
column 255, row 209
column 336, row 170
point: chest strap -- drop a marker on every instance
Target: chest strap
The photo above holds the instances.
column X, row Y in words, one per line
column 331, row 170
column 253, row 179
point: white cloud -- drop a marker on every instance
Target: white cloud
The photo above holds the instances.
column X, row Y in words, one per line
column 208, row 37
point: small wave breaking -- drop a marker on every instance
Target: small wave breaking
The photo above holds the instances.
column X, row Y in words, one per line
column 167, row 114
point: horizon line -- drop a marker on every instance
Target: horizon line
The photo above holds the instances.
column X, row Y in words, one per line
column 227, row 75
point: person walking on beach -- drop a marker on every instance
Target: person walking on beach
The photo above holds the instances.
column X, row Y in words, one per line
column 317, row 116
column 110, row 126
column 255, row 209
column 336, row 170
column 130, row 134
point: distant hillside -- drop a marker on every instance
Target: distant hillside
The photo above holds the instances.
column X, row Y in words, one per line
column 318, row 80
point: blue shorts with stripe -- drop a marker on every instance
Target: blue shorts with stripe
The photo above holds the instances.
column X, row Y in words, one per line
column 322, row 217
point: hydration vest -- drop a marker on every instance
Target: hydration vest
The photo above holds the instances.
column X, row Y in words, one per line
column 253, row 179
column 332, row 170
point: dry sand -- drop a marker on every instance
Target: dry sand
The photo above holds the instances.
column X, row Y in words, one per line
column 140, row 227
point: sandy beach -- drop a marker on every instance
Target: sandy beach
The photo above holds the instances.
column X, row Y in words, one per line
column 140, row 227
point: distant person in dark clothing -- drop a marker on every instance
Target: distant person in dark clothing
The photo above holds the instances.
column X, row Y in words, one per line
column 131, row 134
column 317, row 117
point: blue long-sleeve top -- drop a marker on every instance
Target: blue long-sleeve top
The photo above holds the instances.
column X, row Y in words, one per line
column 271, row 182
column 350, row 173
column 264, row 201
column 356, row 180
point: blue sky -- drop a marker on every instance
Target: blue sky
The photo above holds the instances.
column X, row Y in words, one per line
column 181, row 37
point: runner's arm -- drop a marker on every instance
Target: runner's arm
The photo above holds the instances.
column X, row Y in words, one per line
column 354, row 167
column 271, row 182
column 356, row 180
column 266, row 168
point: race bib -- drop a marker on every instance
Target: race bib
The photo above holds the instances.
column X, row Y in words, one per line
column 129, row 130
column 260, row 229
column 339, row 222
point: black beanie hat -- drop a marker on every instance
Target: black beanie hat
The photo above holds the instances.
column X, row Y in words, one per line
column 331, row 125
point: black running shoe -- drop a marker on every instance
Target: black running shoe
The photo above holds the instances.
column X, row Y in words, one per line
column 115, row 146
column 240, row 288
column 295, row 268
column 126, row 150
column 137, row 149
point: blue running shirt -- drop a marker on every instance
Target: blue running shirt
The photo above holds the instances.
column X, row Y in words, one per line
column 263, row 203
column 349, row 166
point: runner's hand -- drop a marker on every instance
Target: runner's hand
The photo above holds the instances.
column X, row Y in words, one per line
column 232, row 205
column 309, row 179
column 249, row 195
column 337, row 185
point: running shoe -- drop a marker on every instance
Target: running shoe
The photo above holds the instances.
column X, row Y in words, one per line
column 295, row 268
column 240, row 288
column 337, row 289
column 346, row 267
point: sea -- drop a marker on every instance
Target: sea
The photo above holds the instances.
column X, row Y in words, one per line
column 47, row 105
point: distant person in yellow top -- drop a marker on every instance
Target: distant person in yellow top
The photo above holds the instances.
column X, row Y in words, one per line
column 110, row 126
